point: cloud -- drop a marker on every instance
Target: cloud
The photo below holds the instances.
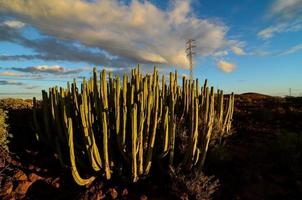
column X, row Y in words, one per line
column 286, row 8
column 137, row 32
column 13, row 24
column 50, row 48
column 54, row 69
column 292, row 50
column 20, row 57
column 286, row 15
column 261, row 52
column 31, row 87
column 238, row 51
column 281, row 27
column 15, row 83
column 270, row 31
column 4, row 82
column 221, row 53
column 8, row 73
column 226, row 66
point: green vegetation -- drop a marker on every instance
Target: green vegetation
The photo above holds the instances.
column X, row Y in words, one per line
column 124, row 129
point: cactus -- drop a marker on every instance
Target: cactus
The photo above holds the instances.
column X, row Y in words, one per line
column 134, row 142
column 76, row 176
column 171, row 121
column 104, row 124
column 35, row 120
column 89, row 137
column 152, row 138
column 140, row 134
column 128, row 126
column 208, row 132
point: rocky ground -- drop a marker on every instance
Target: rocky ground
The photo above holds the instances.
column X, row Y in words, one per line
column 262, row 159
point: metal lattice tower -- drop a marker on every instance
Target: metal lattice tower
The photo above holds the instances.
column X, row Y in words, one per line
column 190, row 53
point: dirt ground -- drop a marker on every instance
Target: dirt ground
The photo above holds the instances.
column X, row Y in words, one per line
column 262, row 159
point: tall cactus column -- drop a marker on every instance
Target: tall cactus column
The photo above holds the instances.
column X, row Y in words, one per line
column 134, row 149
column 104, row 124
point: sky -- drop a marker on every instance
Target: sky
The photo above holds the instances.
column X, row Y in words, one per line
column 241, row 45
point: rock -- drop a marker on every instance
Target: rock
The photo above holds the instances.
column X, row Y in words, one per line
column 48, row 180
column 6, row 189
column 22, row 189
column 113, row 193
column 34, row 177
column 100, row 196
column 56, row 182
column 2, row 163
column 15, row 163
column 184, row 196
column 125, row 192
column 31, row 167
column 143, row 197
column 9, row 197
column 20, row 176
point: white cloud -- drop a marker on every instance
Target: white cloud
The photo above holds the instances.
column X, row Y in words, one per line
column 138, row 31
column 261, row 52
column 238, row 51
column 180, row 12
column 287, row 15
column 267, row 32
column 274, row 29
column 282, row 27
column 226, row 66
column 286, row 8
column 292, row 50
column 221, row 53
column 13, row 23
column 53, row 69
column 8, row 73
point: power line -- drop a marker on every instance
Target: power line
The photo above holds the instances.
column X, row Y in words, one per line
column 190, row 53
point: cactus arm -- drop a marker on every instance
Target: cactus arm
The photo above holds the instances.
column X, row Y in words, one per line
column 75, row 174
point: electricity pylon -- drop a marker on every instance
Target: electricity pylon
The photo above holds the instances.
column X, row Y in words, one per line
column 190, row 53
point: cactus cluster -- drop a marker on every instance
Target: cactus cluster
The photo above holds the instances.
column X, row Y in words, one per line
column 122, row 126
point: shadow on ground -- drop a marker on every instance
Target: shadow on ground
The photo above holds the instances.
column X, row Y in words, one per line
column 263, row 159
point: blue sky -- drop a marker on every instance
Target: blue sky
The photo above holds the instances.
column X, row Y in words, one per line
column 242, row 45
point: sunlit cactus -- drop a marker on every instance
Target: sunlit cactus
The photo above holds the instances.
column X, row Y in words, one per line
column 124, row 125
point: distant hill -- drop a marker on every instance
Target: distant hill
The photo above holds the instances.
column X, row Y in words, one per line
column 253, row 95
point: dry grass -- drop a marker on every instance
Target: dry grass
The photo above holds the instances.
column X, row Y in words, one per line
column 11, row 103
column 193, row 186
column 3, row 129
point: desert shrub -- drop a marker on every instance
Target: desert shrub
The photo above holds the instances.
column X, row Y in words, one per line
column 193, row 186
column 3, row 129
